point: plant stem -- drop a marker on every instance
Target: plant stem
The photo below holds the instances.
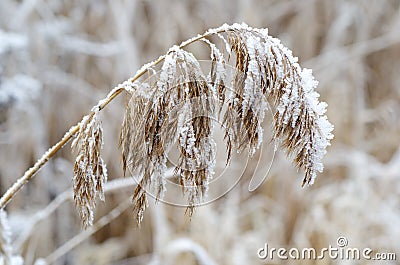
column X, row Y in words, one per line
column 38, row 165
column 76, row 240
column 5, row 199
column 9, row 194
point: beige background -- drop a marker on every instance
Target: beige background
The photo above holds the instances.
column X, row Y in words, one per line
column 58, row 58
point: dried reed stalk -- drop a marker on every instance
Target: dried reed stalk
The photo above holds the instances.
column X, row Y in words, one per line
column 178, row 105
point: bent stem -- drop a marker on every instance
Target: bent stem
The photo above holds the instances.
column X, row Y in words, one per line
column 5, row 199
column 76, row 240
column 31, row 172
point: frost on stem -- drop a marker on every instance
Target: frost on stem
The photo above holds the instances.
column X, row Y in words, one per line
column 90, row 172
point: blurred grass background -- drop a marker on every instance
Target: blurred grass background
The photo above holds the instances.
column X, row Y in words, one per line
column 58, row 58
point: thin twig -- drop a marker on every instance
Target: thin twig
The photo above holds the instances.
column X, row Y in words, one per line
column 188, row 245
column 76, row 240
column 111, row 186
column 346, row 53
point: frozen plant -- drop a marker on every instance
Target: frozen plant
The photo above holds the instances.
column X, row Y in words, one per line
column 6, row 255
column 178, row 106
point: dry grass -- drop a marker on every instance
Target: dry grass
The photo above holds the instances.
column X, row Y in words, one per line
column 72, row 53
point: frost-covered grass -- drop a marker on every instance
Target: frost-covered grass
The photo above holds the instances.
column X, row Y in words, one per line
column 73, row 52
